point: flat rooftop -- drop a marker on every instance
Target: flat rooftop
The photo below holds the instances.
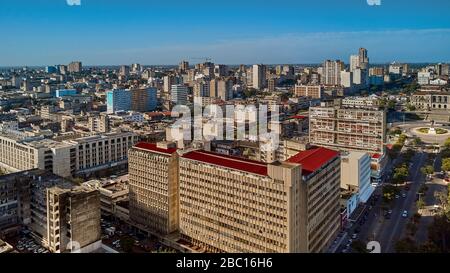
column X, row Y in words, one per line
column 154, row 148
column 313, row 159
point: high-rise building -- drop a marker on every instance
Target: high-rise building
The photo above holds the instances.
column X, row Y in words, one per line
column 124, row 70
column 144, row 99
column 51, row 69
column 171, row 80
column 75, row 67
column 201, row 88
column 220, row 70
column 312, row 91
column 153, row 174
column 225, row 89
column 73, row 219
column 348, row 129
column 179, row 94
column 223, row 207
column 355, row 174
column 259, row 76
column 347, row 79
column 363, row 59
column 354, row 62
column 332, row 72
column 183, row 66
column 118, row 100
column 136, row 68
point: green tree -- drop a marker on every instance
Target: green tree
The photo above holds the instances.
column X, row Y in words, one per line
column 427, row 170
column 420, row 204
column 446, row 164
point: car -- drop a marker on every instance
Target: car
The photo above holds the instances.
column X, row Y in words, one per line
column 390, row 211
column 405, row 214
column 344, row 250
column 404, row 195
column 397, row 197
column 354, row 236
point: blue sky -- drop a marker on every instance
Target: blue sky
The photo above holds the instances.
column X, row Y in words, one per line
column 42, row 32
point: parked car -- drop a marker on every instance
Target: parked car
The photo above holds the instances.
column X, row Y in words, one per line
column 405, row 214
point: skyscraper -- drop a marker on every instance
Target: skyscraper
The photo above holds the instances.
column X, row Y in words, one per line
column 144, row 99
column 118, row 100
column 183, row 66
column 75, row 67
column 259, row 76
column 179, row 94
column 332, row 72
column 363, row 59
column 124, row 70
column 354, row 62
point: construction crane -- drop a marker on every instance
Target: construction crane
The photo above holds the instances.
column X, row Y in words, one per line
column 205, row 59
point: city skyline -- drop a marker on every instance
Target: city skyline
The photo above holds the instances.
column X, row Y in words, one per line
column 52, row 32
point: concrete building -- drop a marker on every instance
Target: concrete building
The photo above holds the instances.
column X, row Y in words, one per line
column 118, row 100
column 65, row 92
column 75, row 67
column 179, row 94
column 332, row 72
column 231, row 204
column 423, row 78
column 312, row 91
column 356, row 173
column 73, row 220
column 99, row 123
column 259, row 76
column 144, row 99
column 431, row 100
column 348, row 129
column 225, row 89
column 153, row 179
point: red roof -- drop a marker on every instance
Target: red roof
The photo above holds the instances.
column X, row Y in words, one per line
column 313, row 159
column 153, row 147
column 376, row 156
column 228, row 162
column 299, row 117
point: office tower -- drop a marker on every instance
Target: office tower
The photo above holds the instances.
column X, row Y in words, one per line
column 312, row 91
column 220, row 70
column 271, row 84
column 259, row 76
column 136, row 68
column 171, row 80
column 360, row 77
column 75, row 67
column 16, row 81
column 144, row 99
column 73, row 219
column 213, row 88
column 183, row 67
column 347, row 79
column 348, row 129
column 62, row 69
column 124, row 71
column 179, row 94
column 153, row 180
column 363, row 59
column 99, row 123
column 201, row 88
column 118, row 100
column 225, row 89
column 355, row 174
column 223, row 207
column 354, row 62
column 332, row 72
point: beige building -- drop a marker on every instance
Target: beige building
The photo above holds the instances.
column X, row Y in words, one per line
column 431, row 100
column 348, row 129
column 99, row 123
column 234, row 205
column 153, row 179
column 313, row 91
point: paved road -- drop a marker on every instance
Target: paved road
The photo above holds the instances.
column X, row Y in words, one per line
column 388, row 231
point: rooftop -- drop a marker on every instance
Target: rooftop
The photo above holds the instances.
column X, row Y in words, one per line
column 313, row 159
column 154, row 148
column 230, row 162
